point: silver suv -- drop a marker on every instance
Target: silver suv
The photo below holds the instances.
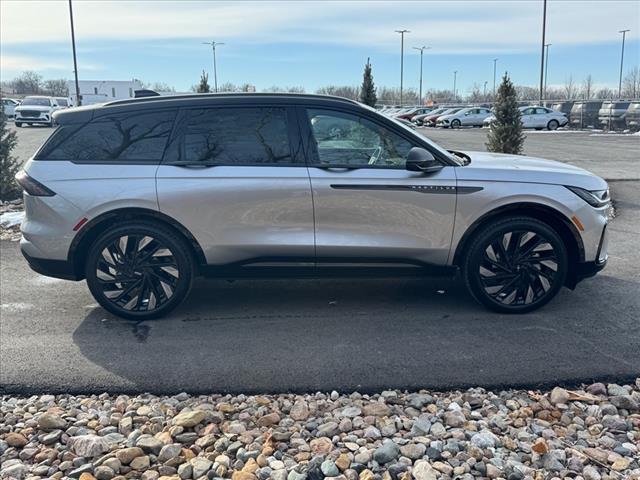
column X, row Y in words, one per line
column 140, row 196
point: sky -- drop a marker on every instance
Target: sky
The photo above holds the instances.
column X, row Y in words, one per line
column 319, row 43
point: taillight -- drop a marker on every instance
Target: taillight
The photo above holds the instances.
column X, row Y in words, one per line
column 31, row 186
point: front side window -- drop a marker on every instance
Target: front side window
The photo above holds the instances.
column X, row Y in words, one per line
column 343, row 139
column 234, row 136
column 139, row 137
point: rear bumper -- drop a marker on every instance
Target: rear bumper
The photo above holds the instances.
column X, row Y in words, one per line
column 51, row 268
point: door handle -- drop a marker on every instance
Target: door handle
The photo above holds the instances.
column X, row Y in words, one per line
column 194, row 165
column 335, row 169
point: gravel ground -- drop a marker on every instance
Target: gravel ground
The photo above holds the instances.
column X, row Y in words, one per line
column 587, row 434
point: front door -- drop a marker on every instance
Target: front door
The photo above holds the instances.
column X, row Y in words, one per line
column 236, row 179
column 367, row 205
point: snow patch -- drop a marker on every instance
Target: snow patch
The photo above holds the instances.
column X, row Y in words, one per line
column 11, row 219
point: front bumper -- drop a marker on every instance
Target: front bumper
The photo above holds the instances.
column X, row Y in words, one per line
column 51, row 268
column 44, row 118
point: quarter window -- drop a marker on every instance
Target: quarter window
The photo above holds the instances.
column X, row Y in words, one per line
column 234, row 136
column 127, row 137
column 348, row 140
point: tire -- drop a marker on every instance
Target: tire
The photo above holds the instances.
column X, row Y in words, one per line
column 520, row 276
column 19, row 124
column 152, row 285
column 455, row 123
column 553, row 125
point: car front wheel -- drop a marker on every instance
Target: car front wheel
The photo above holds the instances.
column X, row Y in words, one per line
column 139, row 270
column 553, row 125
column 18, row 124
column 455, row 124
column 515, row 265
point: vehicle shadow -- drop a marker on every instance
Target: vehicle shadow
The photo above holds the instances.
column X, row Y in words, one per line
column 366, row 335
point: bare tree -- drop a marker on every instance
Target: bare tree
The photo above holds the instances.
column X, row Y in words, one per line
column 569, row 89
column 631, row 83
column 56, row 88
column 344, row 91
column 278, row 89
column 28, row 83
column 605, row 94
column 587, row 88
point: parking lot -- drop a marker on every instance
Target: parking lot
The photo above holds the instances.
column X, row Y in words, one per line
column 300, row 335
column 613, row 156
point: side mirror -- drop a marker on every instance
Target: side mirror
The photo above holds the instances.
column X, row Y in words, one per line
column 421, row 160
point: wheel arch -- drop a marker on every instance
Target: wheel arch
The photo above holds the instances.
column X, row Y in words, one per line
column 552, row 217
column 94, row 227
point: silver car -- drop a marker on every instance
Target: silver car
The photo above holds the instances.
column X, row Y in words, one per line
column 467, row 117
column 537, row 117
column 140, row 196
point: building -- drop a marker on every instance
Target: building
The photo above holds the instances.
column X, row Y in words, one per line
column 99, row 91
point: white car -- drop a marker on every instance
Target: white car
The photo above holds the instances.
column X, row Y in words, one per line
column 537, row 117
column 8, row 106
column 36, row 110
column 472, row 116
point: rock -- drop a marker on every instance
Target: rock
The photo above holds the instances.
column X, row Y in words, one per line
column 86, row 476
column 321, row 446
column 343, row 462
column 493, row 471
column 299, row 411
column 614, row 422
column 597, row 389
column 241, row 475
column 126, row 455
column 376, row 409
column 16, row 440
column 149, row 444
column 329, row 468
column 443, row 467
column 387, row 452
column 104, row 473
column 170, row 451
column 624, row 401
column 50, row 421
column 422, row 470
column 140, row 463
column 558, row 395
column 621, row 464
column 85, row 470
column 454, row 419
column 13, row 470
column 484, row 440
column 328, row 429
column 185, row 471
column 269, row 420
column 414, row 451
column 438, row 430
column 615, row 390
column 200, row 466
column 189, row 419
column 88, row 445
column 590, row 473
column 540, row 446
column 295, row 475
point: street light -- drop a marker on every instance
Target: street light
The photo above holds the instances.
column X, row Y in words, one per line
column 495, row 60
column 546, row 68
column 484, row 92
column 544, row 26
column 624, row 34
column 75, row 62
column 455, row 75
column 215, row 72
column 421, row 49
column 401, row 32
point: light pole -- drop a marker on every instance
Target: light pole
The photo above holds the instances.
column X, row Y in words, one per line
column 421, row 49
column 495, row 61
column 455, row 75
column 546, row 69
column 484, row 92
column 544, row 27
column 624, row 33
column 215, row 71
column 75, row 62
column 401, row 32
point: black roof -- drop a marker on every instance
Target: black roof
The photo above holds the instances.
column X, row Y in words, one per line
column 86, row 113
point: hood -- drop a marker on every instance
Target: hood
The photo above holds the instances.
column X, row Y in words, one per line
column 446, row 117
column 501, row 167
column 36, row 108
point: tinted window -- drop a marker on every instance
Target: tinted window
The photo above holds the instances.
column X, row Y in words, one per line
column 139, row 137
column 350, row 140
column 234, row 136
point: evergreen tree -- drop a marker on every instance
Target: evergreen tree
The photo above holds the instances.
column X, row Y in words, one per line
column 505, row 135
column 368, row 90
column 203, row 86
column 9, row 166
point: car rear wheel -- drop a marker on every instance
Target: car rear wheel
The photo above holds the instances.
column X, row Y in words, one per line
column 515, row 265
column 455, row 123
column 139, row 270
column 553, row 125
column 18, row 124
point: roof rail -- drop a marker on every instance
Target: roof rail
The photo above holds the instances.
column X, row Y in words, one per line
column 229, row 94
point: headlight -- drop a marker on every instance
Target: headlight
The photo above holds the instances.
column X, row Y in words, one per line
column 595, row 198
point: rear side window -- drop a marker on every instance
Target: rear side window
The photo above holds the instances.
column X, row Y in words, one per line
column 121, row 138
column 233, row 136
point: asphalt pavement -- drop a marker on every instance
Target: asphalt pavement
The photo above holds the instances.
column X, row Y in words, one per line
column 306, row 335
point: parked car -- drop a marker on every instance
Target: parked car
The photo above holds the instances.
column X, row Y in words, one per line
column 430, row 120
column 419, row 119
column 408, row 115
column 8, row 106
column 536, row 117
column 563, row 107
column 63, row 102
column 36, row 110
column 467, row 117
column 612, row 114
column 140, row 196
column 632, row 117
column 585, row 114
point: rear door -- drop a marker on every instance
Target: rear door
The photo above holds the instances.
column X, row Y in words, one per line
column 368, row 207
column 235, row 177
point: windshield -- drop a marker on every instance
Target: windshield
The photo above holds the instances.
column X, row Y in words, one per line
column 41, row 102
